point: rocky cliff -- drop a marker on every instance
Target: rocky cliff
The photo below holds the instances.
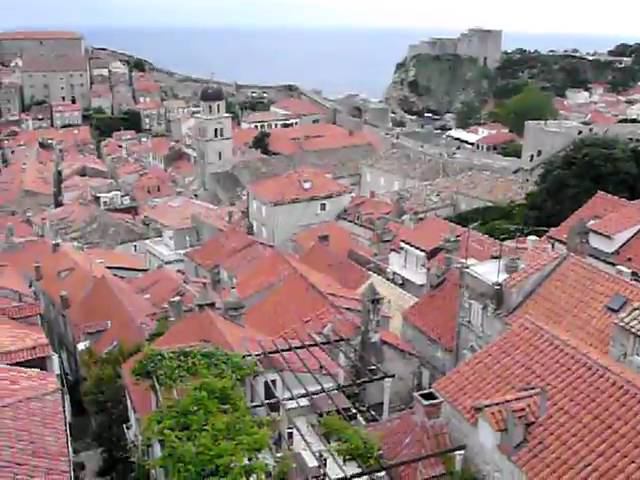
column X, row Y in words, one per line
column 437, row 83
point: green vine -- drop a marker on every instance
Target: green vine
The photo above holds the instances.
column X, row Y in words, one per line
column 209, row 431
column 351, row 442
column 174, row 368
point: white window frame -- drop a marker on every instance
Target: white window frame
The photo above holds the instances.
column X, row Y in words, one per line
column 476, row 315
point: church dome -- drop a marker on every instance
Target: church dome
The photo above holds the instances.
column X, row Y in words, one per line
column 212, row 94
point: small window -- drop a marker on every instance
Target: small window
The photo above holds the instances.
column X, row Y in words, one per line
column 220, row 156
column 531, row 158
column 396, row 185
column 221, row 132
column 215, row 133
column 382, row 181
column 264, row 211
column 218, row 108
column 322, row 207
column 475, row 315
column 539, row 153
column 254, row 204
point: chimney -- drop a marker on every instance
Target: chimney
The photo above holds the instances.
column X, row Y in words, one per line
column 37, row 271
column 204, row 299
column 55, row 245
column 234, row 307
column 372, row 194
column 427, row 405
column 623, row 272
column 65, row 303
column 230, row 217
column 516, row 431
column 175, row 308
column 9, row 233
column 512, row 265
column 324, row 239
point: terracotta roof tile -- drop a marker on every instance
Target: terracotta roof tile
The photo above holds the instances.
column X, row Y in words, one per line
column 297, row 186
column 574, row 300
column 325, row 260
column 599, row 206
column 161, row 285
column 629, row 254
column 178, row 212
column 11, row 279
column 429, row 234
column 593, row 404
column 19, row 342
column 404, row 436
column 20, row 311
column 118, row 259
column 396, row 341
column 298, row 106
column 498, row 138
column 618, row 221
column 436, row 313
column 340, row 240
column 220, row 248
column 33, row 437
column 154, row 183
column 367, row 210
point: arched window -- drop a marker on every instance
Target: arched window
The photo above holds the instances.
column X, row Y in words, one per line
column 218, row 108
column 215, row 133
column 210, row 109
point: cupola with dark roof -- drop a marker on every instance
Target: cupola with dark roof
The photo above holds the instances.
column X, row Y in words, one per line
column 212, row 93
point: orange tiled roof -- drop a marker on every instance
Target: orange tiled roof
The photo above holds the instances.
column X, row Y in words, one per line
column 11, row 279
column 323, row 259
column 341, row 240
column 404, row 436
column 118, row 259
column 574, row 300
column 368, row 209
column 298, row 106
column 297, row 186
column 19, row 342
column 33, row 438
column 629, row 254
column 618, row 221
column 178, row 212
column 599, row 206
column 163, row 284
column 436, row 313
column 220, row 248
column 430, row 233
column 155, row 183
column 593, row 405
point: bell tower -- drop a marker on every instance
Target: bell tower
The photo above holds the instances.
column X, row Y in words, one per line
column 213, row 135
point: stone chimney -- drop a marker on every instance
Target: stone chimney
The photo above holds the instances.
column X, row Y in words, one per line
column 175, row 308
column 234, row 307
column 372, row 194
column 37, row 271
column 65, row 302
column 204, row 299
column 230, row 217
column 55, row 245
column 427, row 405
column 9, row 234
column 512, row 265
column 515, row 433
column 324, row 239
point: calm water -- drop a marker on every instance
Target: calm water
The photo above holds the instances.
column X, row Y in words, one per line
column 336, row 61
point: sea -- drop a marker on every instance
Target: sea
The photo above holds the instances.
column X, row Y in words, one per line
column 336, row 61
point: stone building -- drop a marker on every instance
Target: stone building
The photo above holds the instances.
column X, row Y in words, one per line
column 479, row 43
column 213, row 137
column 20, row 44
column 281, row 206
column 66, row 114
column 56, row 78
column 10, row 94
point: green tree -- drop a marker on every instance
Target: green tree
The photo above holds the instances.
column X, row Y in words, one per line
column 573, row 176
column 469, row 113
column 512, row 150
column 209, row 432
column 350, row 441
column 103, row 396
column 531, row 104
column 139, row 65
column 132, row 120
column 261, row 142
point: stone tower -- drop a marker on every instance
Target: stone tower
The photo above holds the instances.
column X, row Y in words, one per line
column 213, row 135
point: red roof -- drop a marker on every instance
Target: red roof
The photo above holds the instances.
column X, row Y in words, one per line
column 155, row 183
column 436, row 313
column 11, row 279
column 629, row 254
column 430, row 233
column 118, row 259
column 598, row 118
column 300, row 185
column 298, row 106
column 366, row 209
column 295, row 304
column 593, row 404
column 499, row 138
column 33, row 437
column 162, row 284
column 619, row 221
column 20, row 311
column 599, row 206
column 146, row 86
column 220, row 248
column 406, row 436
column 325, row 260
column 340, row 240
column 398, row 342
column 62, row 107
column 19, row 342
column 40, row 35
column 178, row 212
column 574, row 300
column 150, row 105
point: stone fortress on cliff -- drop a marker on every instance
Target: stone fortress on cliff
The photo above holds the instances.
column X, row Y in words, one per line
column 483, row 44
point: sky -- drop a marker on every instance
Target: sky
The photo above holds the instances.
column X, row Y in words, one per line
column 618, row 18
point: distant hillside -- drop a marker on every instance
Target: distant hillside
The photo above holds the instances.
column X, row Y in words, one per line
column 441, row 83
